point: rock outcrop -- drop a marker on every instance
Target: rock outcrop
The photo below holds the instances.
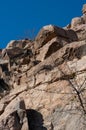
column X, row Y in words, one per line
column 78, row 24
column 43, row 82
column 49, row 32
column 84, row 9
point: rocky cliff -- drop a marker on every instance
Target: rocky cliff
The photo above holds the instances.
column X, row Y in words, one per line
column 43, row 82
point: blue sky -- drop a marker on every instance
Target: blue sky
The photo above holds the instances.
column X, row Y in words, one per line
column 23, row 18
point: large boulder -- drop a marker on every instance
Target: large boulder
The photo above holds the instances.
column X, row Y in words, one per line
column 16, row 52
column 51, row 47
column 50, row 31
column 76, row 22
column 81, row 31
column 14, row 117
column 8, row 54
column 17, row 43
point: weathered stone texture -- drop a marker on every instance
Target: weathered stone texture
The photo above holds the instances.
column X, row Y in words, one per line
column 43, row 82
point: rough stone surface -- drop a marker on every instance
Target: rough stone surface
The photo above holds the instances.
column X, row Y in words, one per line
column 79, row 29
column 50, row 48
column 84, row 9
column 14, row 117
column 43, row 84
column 78, row 24
column 50, row 31
column 18, row 43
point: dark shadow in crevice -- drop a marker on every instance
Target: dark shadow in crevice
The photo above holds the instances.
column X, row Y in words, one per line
column 35, row 120
column 3, row 86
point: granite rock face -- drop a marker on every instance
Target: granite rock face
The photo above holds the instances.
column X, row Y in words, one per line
column 78, row 24
column 14, row 116
column 49, row 32
column 43, row 82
